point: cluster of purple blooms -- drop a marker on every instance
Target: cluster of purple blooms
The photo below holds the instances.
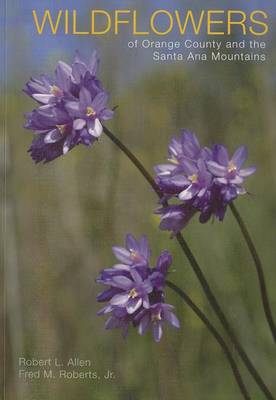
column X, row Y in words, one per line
column 71, row 107
column 135, row 292
column 70, row 111
column 205, row 180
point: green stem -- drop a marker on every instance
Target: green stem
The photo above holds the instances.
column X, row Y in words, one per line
column 216, row 335
column 196, row 268
column 259, row 268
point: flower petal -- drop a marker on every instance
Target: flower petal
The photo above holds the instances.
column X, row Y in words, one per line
column 188, row 193
column 63, row 73
column 67, row 144
column 136, row 276
column 144, row 324
column 189, row 166
column 98, row 129
column 119, row 300
column 146, row 303
column 157, row 331
column 131, row 243
column 144, row 247
column 220, row 154
column 105, row 310
column 133, row 305
column 238, row 180
column 100, row 100
column 73, row 107
column 85, row 97
column 122, row 267
column 121, row 282
column 239, row 156
column 216, row 169
column 171, row 318
column 247, row 171
column 122, row 254
column 79, row 124
column 93, row 63
column 43, row 98
column 53, row 136
column 164, row 261
column 164, row 169
column 112, row 323
column 106, row 114
column 223, row 181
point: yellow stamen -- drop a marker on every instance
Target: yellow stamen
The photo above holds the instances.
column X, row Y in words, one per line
column 193, row 178
column 90, row 112
column 134, row 255
column 173, row 160
column 232, row 168
column 55, row 90
column 61, row 128
column 156, row 317
column 133, row 293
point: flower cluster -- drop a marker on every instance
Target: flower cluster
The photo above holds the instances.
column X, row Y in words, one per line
column 205, row 180
column 70, row 108
column 135, row 292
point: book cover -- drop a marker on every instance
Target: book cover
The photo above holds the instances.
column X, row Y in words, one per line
column 138, row 200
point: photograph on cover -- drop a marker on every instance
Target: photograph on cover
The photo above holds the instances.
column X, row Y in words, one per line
column 138, row 198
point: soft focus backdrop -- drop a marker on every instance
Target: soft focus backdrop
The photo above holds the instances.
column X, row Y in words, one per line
column 63, row 218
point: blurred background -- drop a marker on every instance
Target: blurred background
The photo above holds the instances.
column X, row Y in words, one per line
column 63, row 218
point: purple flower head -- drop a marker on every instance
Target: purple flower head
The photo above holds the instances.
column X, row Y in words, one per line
column 71, row 109
column 186, row 146
column 198, row 180
column 154, row 317
column 159, row 273
column 54, row 133
column 204, row 180
column 135, row 253
column 88, row 112
column 213, row 204
column 107, row 294
column 175, row 217
column 134, row 286
column 186, row 173
column 228, row 171
column 80, row 68
column 119, row 319
column 164, row 262
column 134, row 294
column 47, row 90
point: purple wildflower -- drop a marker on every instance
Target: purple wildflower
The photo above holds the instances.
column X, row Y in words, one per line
column 198, row 180
column 80, row 68
column 47, row 90
column 154, row 317
column 186, row 147
column 204, row 180
column 119, row 319
column 228, row 172
column 135, row 287
column 71, row 108
column 175, row 217
column 135, row 253
column 134, row 294
column 54, row 133
column 159, row 273
column 88, row 112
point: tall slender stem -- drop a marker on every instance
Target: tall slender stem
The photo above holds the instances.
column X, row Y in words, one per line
column 196, row 268
column 215, row 333
column 259, row 267
column 222, row 317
